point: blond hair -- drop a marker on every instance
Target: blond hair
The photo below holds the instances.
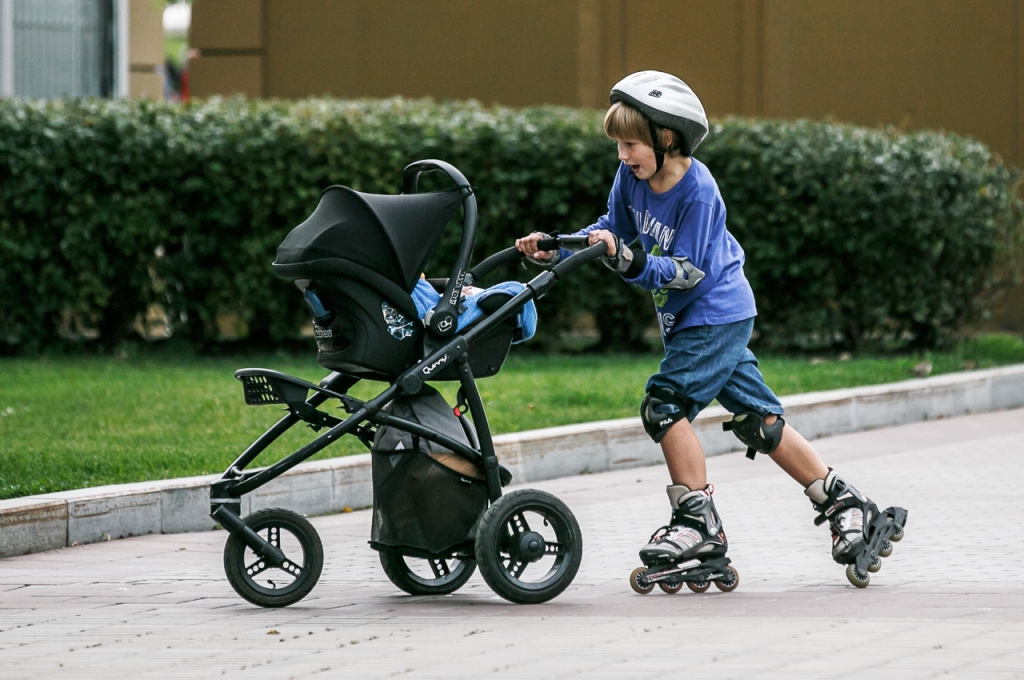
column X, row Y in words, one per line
column 623, row 122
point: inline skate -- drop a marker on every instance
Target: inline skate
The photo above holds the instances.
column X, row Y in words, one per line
column 861, row 534
column 690, row 550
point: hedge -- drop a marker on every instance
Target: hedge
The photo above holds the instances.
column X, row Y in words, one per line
column 110, row 207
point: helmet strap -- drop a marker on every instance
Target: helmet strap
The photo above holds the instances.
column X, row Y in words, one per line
column 659, row 150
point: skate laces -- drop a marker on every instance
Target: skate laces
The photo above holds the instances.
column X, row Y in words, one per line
column 661, row 533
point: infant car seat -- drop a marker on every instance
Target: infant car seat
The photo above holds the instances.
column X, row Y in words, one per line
column 357, row 259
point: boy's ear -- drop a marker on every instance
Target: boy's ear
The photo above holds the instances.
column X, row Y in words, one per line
column 672, row 141
column 667, row 138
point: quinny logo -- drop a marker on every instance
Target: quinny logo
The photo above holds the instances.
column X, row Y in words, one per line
column 444, row 324
column 430, row 369
column 654, row 93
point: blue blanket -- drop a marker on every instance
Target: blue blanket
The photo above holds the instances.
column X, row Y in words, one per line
column 426, row 297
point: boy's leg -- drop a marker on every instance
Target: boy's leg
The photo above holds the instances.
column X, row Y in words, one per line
column 684, row 456
column 849, row 513
column 746, row 392
column 796, row 456
column 698, row 362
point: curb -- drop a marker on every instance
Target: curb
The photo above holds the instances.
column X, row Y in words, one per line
column 50, row 521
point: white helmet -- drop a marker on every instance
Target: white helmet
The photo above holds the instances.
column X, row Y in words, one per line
column 666, row 101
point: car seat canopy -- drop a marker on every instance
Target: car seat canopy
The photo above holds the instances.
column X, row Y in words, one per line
column 391, row 234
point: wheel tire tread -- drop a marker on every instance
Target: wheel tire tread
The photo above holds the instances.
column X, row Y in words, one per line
column 491, row 523
column 397, row 572
column 312, row 547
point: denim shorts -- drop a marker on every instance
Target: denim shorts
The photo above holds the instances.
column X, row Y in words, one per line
column 704, row 363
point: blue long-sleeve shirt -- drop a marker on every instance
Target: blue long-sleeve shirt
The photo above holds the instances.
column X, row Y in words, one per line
column 688, row 220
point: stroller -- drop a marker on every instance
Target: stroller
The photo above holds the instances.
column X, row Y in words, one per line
column 438, row 508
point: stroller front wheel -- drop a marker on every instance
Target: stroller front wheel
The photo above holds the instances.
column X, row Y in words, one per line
column 259, row 582
column 433, row 576
column 528, row 546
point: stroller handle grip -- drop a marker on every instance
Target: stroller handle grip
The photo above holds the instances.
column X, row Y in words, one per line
column 574, row 243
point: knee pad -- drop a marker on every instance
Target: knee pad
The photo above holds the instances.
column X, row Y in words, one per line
column 661, row 409
column 751, row 429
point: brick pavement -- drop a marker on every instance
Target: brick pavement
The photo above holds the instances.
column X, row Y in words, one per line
column 949, row 601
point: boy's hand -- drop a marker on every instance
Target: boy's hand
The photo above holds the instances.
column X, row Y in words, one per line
column 618, row 258
column 528, row 246
column 608, row 237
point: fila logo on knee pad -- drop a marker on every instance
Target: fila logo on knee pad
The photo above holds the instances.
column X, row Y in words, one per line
column 660, row 410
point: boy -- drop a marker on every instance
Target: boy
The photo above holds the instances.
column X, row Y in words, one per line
column 705, row 307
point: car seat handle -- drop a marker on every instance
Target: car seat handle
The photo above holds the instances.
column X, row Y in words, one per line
column 412, row 172
column 442, row 320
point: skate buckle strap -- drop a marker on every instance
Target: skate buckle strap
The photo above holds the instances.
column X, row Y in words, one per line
column 837, row 506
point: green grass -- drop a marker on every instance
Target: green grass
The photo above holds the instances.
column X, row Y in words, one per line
column 75, row 422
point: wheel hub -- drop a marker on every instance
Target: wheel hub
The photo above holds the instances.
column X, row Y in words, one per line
column 531, row 546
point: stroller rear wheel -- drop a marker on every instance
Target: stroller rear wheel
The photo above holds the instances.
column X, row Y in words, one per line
column 528, row 546
column 255, row 579
column 432, row 576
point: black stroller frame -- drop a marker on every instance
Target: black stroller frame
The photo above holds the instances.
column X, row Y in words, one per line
column 505, row 545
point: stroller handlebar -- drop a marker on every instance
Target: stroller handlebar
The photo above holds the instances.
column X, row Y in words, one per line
column 509, row 255
column 582, row 257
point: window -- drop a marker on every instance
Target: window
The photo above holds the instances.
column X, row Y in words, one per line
column 59, row 48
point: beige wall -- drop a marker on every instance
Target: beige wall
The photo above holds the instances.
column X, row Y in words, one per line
column 145, row 48
column 950, row 64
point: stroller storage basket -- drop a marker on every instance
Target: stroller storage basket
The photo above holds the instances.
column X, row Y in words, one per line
column 425, row 500
column 422, row 506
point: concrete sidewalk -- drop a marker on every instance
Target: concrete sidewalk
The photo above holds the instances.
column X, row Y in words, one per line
column 949, row 601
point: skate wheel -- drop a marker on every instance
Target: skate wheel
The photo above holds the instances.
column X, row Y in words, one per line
column 728, row 584
column 634, row 582
column 861, row 580
column 875, row 566
column 255, row 579
column 670, row 588
column 698, row 586
column 528, row 546
column 898, row 536
column 886, row 549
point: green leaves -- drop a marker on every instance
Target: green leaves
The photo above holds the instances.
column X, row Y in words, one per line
column 110, row 207
column 855, row 235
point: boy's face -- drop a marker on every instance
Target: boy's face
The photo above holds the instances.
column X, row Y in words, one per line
column 638, row 156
